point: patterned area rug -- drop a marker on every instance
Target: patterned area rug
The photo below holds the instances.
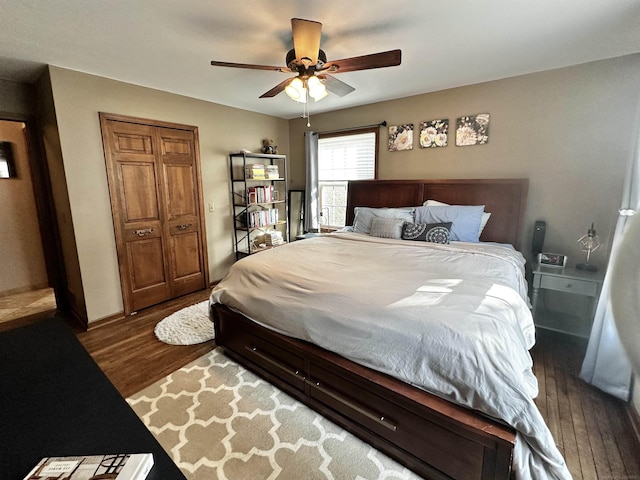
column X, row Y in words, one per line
column 219, row 421
column 188, row 326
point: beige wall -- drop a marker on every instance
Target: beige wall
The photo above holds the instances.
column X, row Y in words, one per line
column 21, row 253
column 570, row 131
column 77, row 99
column 53, row 154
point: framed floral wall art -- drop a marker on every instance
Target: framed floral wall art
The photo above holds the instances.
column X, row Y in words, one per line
column 472, row 130
column 401, row 137
column 434, row 133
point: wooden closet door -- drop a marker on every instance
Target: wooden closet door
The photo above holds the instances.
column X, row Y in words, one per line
column 154, row 182
column 181, row 193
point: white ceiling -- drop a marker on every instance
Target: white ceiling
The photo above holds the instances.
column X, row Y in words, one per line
column 168, row 44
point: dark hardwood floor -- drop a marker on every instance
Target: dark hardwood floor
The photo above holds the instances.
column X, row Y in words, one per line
column 130, row 354
column 591, row 428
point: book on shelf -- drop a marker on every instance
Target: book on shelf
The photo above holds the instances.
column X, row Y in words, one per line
column 273, row 238
column 262, row 218
column 262, row 194
column 271, row 172
column 254, row 171
column 252, row 195
column 118, row 466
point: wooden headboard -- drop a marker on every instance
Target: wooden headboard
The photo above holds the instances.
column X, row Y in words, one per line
column 505, row 199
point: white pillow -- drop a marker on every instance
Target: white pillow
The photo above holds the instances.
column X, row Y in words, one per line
column 365, row 215
column 435, row 203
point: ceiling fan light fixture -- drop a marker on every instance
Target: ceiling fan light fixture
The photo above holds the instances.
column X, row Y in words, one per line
column 296, row 90
column 317, row 89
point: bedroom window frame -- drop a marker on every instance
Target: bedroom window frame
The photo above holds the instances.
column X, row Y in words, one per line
column 330, row 211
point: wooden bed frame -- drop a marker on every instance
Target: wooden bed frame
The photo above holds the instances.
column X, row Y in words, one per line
column 505, row 199
column 433, row 437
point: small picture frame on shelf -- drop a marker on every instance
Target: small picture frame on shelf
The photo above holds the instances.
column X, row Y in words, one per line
column 552, row 259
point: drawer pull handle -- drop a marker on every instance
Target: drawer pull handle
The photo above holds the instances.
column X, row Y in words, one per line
column 143, row 233
column 268, row 359
column 183, row 226
column 380, row 419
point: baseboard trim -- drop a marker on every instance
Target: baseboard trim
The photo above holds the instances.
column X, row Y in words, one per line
column 120, row 316
column 106, row 320
column 75, row 317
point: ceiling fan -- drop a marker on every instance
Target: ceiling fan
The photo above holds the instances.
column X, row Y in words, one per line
column 310, row 63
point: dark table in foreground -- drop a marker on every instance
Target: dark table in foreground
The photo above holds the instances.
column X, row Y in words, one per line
column 55, row 401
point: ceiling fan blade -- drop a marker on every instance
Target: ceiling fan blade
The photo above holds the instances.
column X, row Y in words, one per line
column 277, row 89
column 306, row 39
column 336, row 86
column 365, row 62
column 249, row 66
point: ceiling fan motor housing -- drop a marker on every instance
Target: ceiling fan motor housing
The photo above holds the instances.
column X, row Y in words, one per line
column 294, row 66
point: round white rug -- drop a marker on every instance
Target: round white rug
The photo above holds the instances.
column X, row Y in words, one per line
column 188, row 326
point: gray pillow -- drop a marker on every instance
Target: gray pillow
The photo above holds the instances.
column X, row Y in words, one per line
column 364, row 216
column 386, row 227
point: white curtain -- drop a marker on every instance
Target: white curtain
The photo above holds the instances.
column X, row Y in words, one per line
column 311, row 202
column 606, row 365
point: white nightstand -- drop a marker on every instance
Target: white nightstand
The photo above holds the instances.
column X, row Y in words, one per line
column 570, row 281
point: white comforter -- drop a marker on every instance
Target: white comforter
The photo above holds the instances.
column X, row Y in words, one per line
column 451, row 319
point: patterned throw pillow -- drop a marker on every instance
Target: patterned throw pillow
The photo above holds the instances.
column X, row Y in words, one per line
column 427, row 232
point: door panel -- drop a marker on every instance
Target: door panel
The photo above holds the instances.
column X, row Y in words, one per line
column 173, row 145
column 138, row 191
column 181, row 200
column 180, row 191
column 153, row 173
column 146, row 259
column 135, row 143
column 148, row 279
column 185, row 247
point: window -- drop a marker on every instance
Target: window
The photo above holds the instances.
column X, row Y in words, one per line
column 343, row 157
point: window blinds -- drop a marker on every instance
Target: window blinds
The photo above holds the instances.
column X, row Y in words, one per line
column 346, row 157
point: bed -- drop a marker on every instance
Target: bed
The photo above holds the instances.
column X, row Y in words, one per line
column 411, row 351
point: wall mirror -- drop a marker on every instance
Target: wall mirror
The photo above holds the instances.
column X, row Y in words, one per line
column 7, row 167
column 296, row 213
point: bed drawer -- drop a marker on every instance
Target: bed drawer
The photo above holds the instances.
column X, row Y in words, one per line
column 454, row 456
column 276, row 363
column 286, row 365
column 570, row 285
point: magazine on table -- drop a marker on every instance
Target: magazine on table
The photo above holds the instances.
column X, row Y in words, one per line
column 118, row 467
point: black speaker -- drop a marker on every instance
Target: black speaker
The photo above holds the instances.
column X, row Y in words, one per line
column 538, row 236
